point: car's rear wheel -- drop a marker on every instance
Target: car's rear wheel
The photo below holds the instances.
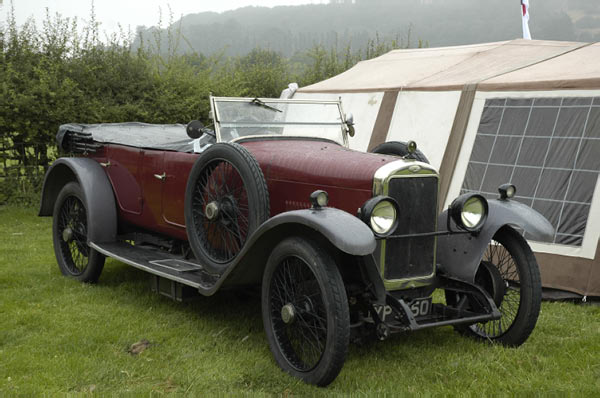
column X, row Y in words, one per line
column 399, row 148
column 305, row 311
column 510, row 275
column 226, row 200
column 69, row 235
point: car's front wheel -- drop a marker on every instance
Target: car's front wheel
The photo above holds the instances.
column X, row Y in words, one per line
column 69, row 234
column 511, row 276
column 305, row 311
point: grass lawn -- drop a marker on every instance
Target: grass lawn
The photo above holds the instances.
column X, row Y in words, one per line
column 57, row 335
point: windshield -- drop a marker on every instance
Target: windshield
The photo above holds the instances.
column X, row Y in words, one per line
column 247, row 117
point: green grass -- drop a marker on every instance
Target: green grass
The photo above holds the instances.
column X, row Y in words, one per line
column 57, row 335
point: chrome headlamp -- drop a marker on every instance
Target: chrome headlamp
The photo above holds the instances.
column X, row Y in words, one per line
column 507, row 191
column 381, row 214
column 319, row 199
column 469, row 211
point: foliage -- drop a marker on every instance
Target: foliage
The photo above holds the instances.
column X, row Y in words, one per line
column 64, row 73
column 58, row 336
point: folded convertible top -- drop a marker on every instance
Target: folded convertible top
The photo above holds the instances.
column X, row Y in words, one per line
column 168, row 137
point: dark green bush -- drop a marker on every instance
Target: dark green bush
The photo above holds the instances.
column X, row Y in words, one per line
column 64, row 73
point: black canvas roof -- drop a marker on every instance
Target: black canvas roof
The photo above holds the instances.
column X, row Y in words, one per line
column 168, row 137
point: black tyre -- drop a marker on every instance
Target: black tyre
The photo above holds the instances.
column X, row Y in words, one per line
column 399, row 148
column 226, row 200
column 305, row 311
column 69, row 234
column 510, row 274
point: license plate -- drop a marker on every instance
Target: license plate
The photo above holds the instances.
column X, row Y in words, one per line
column 420, row 306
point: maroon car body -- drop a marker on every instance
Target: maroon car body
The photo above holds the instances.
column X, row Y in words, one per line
column 344, row 244
column 292, row 173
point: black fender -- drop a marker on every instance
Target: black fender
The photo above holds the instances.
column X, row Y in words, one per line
column 342, row 230
column 459, row 255
column 345, row 231
column 97, row 191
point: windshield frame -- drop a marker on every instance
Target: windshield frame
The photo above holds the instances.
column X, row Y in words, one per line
column 217, row 124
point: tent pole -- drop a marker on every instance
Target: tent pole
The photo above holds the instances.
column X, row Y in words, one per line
column 455, row 141
column 384, row 119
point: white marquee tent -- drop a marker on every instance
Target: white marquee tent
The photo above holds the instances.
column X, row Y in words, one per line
column 524, row 111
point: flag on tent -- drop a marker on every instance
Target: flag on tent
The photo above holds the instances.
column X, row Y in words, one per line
column 525, row 10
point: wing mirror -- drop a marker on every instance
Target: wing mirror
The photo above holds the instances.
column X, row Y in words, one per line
column 195, row 129
column 350, row 125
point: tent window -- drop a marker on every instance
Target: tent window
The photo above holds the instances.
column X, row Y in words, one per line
column 548, row 148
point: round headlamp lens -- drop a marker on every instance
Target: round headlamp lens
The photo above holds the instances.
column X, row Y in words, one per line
column 473, row 212
column 383, row 217
column 319, row 199
column 507, row 191
column 322, row 199
column 510, row 191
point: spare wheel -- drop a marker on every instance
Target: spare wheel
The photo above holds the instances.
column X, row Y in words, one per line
column 226, row 200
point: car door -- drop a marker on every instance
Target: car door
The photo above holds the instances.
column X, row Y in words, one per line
column 152, row 176
column 122, row 168
column 177, row 169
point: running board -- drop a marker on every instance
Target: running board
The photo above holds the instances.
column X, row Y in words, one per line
column 160, row 263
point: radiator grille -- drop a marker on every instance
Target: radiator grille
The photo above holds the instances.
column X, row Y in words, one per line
column 417, row 201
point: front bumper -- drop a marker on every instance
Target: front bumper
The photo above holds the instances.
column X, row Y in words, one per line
column 400, row 317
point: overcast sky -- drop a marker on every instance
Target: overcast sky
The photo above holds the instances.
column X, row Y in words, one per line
column 130, row 12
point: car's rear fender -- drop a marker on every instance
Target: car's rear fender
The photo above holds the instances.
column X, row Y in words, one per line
column 459, row 255
column 97, row 191
column 334, row 228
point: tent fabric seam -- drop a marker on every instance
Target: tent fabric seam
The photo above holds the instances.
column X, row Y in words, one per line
column 413, row 86
column 536, row 63
column 462, row 62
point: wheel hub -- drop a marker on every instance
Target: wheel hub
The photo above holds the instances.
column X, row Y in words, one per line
column 288, row 313
column 212, row 210
column 67, row 234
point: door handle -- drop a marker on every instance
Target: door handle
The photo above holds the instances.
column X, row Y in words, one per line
column 161, row 176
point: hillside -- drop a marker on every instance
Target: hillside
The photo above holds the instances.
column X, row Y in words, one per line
column 293, row 29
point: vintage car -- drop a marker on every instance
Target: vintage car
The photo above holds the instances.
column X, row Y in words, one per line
column 343, row 244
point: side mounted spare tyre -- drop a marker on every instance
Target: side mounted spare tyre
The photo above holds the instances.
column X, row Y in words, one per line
column 399, row 148
column 226, row 200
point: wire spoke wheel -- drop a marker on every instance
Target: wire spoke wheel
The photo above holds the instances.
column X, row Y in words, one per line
column 303, row 337
column 226, row 200
column 222, row 235
column 73, row 224
column 498, row 256
column 70, row 236
column 305, row 311
column 510, row 275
